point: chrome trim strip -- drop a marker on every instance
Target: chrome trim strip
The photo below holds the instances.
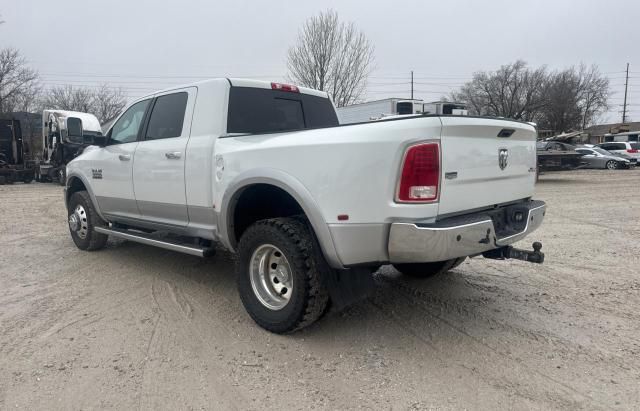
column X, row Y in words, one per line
column 140, row 238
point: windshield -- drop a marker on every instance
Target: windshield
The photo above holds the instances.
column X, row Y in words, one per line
column 601, row 151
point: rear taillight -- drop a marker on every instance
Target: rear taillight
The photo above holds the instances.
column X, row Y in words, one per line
column 285, row 87
column 420, row 176
column 632, row 150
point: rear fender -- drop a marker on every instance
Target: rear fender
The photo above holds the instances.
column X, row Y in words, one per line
column 295, row 189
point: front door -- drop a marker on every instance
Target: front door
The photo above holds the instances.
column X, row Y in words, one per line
column 112, row 166
column 158, row 170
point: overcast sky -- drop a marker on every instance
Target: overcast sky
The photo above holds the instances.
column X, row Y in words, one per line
column 147, row 45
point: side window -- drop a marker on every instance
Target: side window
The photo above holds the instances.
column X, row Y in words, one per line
column 619, row 146
column 125, row 130
column 167, row 116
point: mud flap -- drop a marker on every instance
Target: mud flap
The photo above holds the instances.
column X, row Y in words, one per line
column 349, row 286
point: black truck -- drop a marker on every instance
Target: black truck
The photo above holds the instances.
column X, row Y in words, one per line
column 13, row 164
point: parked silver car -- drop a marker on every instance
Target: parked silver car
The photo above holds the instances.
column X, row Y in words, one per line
column 598, row 158
column 622, row 148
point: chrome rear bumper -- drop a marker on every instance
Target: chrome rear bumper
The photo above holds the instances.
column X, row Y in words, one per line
column 462, row 236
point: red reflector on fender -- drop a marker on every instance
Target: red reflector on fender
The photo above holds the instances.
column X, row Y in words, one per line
column 285, row 87
column 420, row 178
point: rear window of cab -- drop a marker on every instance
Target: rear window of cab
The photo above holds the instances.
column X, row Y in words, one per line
column 255, row 110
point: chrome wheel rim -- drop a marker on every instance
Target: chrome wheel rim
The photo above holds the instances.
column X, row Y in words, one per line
column 78, row 222
column 271, row 277
column 611, row 165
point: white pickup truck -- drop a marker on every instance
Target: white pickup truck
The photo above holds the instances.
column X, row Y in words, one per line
column 311, row 208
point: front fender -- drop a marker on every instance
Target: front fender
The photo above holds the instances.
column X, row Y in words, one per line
column 73, row 174
column 295, row 189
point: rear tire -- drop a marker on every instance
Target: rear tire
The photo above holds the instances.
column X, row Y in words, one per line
column 279, row 275
column 426, row 270
column 83, row 218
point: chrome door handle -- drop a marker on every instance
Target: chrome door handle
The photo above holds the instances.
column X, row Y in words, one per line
column 173, row 155
column 124, row 157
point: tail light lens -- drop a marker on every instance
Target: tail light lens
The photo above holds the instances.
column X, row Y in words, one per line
column 632, row 150
column 420, row 178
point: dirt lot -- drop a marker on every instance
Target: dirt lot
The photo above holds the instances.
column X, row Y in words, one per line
column 134, row 327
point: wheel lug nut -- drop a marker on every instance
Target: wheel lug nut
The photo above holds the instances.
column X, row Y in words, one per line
column 275, row 280
column 284, row 290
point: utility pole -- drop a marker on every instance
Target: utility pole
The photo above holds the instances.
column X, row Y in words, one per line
column 412, row 82
column 624, row 107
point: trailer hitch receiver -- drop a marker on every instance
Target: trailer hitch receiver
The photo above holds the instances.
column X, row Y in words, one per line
column 503, row 253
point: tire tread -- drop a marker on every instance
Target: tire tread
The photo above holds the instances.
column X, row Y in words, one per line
column 316, row 295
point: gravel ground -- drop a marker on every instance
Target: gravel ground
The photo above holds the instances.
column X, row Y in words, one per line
column 134, row 327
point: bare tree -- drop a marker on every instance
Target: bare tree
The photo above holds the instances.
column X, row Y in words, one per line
column 108, row 102
column 68, row 98
column 104, row 102
column 331, row 56
column 513, row 91
column 575, row 97
column 593, row 94
column 564, row 100
column 17, row 80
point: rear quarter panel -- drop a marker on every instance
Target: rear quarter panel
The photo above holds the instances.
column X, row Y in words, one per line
column 349, row 170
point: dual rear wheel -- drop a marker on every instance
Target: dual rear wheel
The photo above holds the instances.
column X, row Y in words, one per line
column 279, row 273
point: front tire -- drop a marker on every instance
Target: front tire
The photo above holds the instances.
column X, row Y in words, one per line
column 426, row 270
column 83, row 218
column 279, row 275
column 611, row 165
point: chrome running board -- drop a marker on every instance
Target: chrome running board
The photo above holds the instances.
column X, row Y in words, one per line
column 149, row 240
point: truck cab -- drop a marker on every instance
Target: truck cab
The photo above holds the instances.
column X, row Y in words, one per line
column 65, row 134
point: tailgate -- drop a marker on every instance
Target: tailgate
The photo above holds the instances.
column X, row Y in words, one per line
column 485, row 162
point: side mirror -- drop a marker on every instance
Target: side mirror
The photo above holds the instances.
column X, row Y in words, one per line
column 97, row 140
column 74, row 127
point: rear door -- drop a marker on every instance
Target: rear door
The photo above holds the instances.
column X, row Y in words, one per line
column 158, row 170
column 485, row 162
